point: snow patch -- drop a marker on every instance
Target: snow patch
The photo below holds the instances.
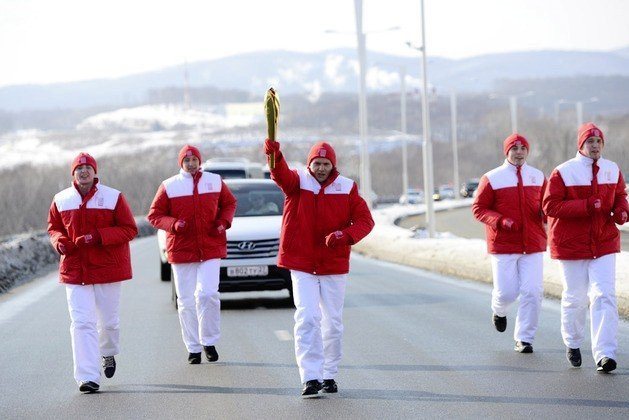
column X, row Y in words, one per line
column 170, row 117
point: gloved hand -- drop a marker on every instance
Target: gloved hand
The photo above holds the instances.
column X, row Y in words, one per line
column 594, row 204
column 338, row 238
column 89, row 239
column 271, row 146
column 507, row 223
column 620, row 216
column 179, row 226
column 65, row 246
column 218, row 228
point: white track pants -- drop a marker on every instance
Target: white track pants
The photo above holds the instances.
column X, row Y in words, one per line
column 199, row 303
column 595, row 279
column 318, row 324
column 94, row 328
column 518, row 275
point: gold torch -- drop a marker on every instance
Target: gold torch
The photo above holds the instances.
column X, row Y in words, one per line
column 272, row 110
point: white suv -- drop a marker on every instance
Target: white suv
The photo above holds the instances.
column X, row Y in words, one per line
column 233, row 168
column 253, row 240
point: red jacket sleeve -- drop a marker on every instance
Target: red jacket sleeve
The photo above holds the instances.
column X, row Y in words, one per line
column 556, row 204
column 620, row 201
column 159, row 212
column 284, row 177
column 124, row 229
column 541, row 199
column 361, row 220
column 56, row 228
column 483, row 203
column 226, row 205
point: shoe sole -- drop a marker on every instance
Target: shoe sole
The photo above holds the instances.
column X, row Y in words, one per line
column 310, row 396
column 86, row 389
column 525, row 350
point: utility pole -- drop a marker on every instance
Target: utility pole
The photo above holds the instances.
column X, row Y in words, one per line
column 455, row 147
column 513, row 106
column 427, row 143
column 186, row 88
column 365, row 175
column 403, row 129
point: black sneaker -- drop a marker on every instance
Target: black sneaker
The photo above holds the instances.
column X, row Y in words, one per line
column 109, row 366
column 500, row 322
column 194, row 358
column 311, row 389
column 574, row 357
column 523, row 347
column 606, row 365
column 329, row 386
column 211, row 353
column 88, row 387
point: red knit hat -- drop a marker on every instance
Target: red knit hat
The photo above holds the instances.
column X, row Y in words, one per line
column 586, row 131
column 83, row 159
column 186, row 151
column 322, row 150
column 514, row 140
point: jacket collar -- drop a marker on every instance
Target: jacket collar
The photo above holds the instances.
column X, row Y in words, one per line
column 511, row 167
column 333, row 175
column 187, row 174
column 90, row 193
column 586, row 160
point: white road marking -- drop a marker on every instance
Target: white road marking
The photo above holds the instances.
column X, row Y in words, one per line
column 283, row 335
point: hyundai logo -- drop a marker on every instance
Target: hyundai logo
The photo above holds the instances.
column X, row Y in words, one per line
column 246, row 246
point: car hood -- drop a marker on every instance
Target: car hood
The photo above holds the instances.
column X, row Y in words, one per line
column 254, row 228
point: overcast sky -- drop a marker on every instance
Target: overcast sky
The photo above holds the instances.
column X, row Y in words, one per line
column 44, row 41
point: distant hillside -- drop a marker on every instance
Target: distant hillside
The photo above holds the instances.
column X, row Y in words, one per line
column 315, row 73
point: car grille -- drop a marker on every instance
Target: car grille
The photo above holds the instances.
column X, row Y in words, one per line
column 264, row 248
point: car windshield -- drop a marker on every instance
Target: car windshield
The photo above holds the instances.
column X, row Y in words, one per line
column 257, row 199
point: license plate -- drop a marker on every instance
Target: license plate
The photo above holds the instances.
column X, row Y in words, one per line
column 248, row 271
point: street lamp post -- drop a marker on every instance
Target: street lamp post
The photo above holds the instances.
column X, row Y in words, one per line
column 365, row 175
column 578, row 108
column 455, row 148
column 365, row 170
column 427, row 143
column 513, row 107
column 403, row 129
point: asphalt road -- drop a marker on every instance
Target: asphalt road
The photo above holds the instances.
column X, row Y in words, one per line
column 417, row 345
column 461, row 222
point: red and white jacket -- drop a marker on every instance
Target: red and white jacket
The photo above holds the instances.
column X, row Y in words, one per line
column 498, row 196
column 201, row 201
column 574, row 233
column 311, row 212
column 105, row 210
